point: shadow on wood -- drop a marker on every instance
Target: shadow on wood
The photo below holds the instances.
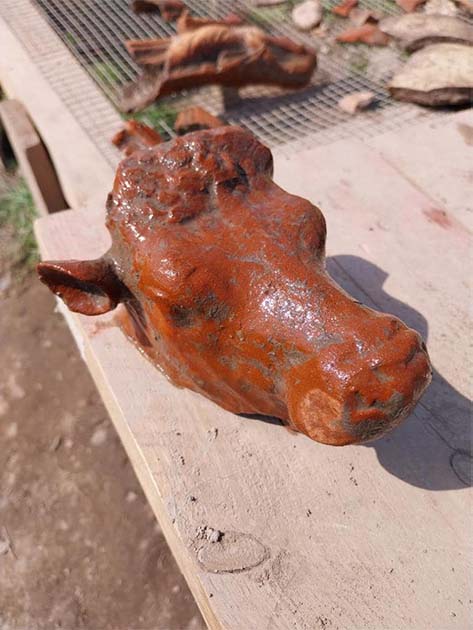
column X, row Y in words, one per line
column 432, row 448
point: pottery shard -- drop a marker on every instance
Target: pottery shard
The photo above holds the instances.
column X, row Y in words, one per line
column 420, row 29
column 307, row 15
column 366, row 34
column 355, row 102
column 438, row 75
column 195, row 118
column 363, row 16
column 409, row 5
column 344, row 9
column 135, row 136
column 215, row 54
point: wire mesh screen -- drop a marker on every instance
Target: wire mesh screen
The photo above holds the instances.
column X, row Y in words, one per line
column 95, row 31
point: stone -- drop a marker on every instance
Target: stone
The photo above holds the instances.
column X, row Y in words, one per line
column 99, row 437
column 355, row 102
column 421, row 29
column 436, row 76
column 307, row 15
column 441, row 7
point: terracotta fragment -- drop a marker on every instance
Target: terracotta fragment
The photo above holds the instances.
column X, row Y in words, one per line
column 437, row 75
column 409, row 5
column 420, row 29
column 135, row 136
column 366, row 34
column 222, row 277
column 168, row 9
column 194, row 119
column 344, row 9
column 187, row 22
column 363, row 16
column 232, row 56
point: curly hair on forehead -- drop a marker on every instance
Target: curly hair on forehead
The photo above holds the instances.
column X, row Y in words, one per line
column 175, row 179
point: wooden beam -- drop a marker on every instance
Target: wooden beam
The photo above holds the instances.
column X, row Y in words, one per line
column 33, row 159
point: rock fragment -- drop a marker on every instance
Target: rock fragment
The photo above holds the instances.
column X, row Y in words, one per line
column 356, row 102
column 438, row 75
column 421, row 29
column 307, row 15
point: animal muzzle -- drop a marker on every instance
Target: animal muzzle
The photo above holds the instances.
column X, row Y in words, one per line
column 357, row 390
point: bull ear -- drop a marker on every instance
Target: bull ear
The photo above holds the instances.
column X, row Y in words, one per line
column 90, row 287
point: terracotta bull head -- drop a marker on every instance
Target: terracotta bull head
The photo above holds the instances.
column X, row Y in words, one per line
column 222, row 276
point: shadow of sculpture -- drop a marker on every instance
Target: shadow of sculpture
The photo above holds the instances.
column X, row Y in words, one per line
column 432, row 448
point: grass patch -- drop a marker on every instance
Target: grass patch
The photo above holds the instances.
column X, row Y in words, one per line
column 157, row 116
column 359, row 63
column 106, row 72
column 267, row 16
column 18, row 211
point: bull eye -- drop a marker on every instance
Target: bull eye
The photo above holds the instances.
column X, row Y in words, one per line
column 231, row 184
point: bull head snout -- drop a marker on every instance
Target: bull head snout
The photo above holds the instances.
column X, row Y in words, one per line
column 356, row 391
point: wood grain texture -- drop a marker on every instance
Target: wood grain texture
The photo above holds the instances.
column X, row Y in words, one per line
column 438, row 158
column 368, row 537
column 35, row 165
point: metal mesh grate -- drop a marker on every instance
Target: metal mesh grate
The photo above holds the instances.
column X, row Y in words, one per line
column 94, row 32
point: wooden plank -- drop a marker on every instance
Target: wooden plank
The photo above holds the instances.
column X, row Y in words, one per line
column 395, row 231
column 84, row 174
column 438, row 158
column 32, row 157
column 317, row 537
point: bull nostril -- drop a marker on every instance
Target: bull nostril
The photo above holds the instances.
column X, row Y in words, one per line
column 411, row 355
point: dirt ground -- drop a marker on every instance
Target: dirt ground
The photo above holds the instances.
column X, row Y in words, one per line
column 79, row 546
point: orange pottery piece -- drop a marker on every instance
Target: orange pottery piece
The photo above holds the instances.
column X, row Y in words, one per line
column 222, row 276
column 368, row 33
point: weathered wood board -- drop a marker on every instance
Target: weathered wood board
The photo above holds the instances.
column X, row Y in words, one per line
column 32, row 157
column 438, row 157
column 372, row 537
